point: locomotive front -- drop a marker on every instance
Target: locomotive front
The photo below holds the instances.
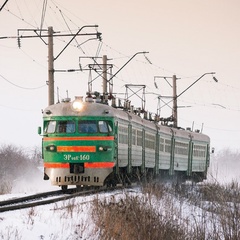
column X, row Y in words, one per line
column 78, row 143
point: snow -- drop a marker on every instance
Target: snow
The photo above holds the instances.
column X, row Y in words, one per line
column 72, row 219
column 53, row 221
column 69, row 219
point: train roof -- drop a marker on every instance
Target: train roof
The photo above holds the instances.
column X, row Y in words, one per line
column 103, row 110
column 87, row 109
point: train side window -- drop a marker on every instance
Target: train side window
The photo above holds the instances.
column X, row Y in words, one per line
column 66, row 127
column 50, row 127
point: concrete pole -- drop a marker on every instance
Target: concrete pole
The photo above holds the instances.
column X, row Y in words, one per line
column 104, row 78
column 50, row 67
column 175, row 117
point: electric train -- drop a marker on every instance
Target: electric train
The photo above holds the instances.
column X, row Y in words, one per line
column 90, row 143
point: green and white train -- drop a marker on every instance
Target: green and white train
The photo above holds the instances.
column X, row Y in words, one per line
column 94, row 144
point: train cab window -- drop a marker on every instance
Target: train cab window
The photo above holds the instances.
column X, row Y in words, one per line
column 87, row 126
column 50, row 127
column 92, row 126
column 109, row 125
column 103, row 127
column 66, row 127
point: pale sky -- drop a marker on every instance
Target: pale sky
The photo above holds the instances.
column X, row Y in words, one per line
column 187, row 38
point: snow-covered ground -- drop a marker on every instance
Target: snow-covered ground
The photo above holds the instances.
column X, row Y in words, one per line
column 53, row 221
column 72, row 219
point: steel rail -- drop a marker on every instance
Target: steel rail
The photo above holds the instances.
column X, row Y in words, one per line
column 37, row 199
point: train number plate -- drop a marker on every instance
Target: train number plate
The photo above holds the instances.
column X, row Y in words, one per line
column 81, row 157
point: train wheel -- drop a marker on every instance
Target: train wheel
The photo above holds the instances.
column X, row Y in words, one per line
column 79, row 188
column 110, row 183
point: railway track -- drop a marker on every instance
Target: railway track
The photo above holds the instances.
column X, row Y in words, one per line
column 44, row 198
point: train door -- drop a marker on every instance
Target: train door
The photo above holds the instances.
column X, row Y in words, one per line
column 129, row 166
column 157, row 147
column 190, row 158
column 116, row 147
column 143, row 169
column 171, row 170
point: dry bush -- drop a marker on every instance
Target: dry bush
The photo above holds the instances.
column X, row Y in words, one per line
column 5, row 186
column 30, row 217
column 224, row 202
column 15, row 162
column 70, row 207
column 213, row 213
column 222, row 205
column 215, row 192
column 157, row 189
column 132, row 218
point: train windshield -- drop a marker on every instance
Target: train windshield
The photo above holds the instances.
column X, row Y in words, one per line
column 66, row 127
column 92, row 126
column 60, row 127
column 50, row 127
column 84, row 126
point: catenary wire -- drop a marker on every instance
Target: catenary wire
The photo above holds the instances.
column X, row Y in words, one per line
column 18, row 86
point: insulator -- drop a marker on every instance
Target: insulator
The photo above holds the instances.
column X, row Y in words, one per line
column 19, row 42
column 148, row 59
column 80, row 67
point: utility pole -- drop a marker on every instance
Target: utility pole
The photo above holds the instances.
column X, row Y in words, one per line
column 104, row 78
column 174, row 112
column 51, row 59
column 50, row 67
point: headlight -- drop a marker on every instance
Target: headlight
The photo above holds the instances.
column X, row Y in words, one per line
column 104, row 148
column 77, row 105
column 101, row 149
column 51, row 148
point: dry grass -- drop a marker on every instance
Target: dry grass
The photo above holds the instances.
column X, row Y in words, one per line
column 159, row 212
column 132, row 217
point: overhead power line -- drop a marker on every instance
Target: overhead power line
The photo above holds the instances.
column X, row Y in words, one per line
column 27, row 88
column 43, row 14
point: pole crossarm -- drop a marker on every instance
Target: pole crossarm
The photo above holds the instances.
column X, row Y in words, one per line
column 174, row 116
column 55, row 34
column 165, row 78
column 97, row 34
column 196, row 82
column 3, row 5
column 127, row 63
